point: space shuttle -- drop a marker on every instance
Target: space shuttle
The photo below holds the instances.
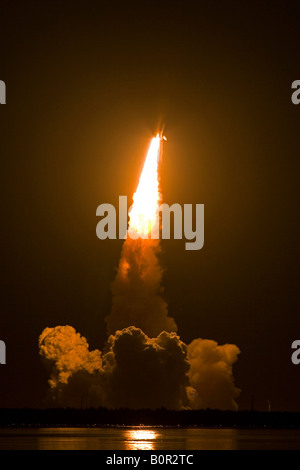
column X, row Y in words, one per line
column 162, row 139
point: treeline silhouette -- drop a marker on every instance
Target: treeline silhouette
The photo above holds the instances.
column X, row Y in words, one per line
column 161, row 417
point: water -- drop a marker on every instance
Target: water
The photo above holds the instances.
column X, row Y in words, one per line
column 147, row 438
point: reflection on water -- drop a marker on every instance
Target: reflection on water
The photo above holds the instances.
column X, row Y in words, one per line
column 148, row 438
column 140, row 439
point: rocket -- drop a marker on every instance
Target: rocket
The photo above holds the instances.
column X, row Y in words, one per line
column 162, row 139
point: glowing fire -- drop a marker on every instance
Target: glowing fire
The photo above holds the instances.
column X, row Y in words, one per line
column 144, row 212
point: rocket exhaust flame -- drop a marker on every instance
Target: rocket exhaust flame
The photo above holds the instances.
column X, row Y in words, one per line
column 144, row 363
column 143, row 217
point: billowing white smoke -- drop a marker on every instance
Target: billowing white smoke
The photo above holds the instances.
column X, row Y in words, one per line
column 74, row 369
column 146, row 372
column 135, row 371
column 69, row 352
column 210, row 375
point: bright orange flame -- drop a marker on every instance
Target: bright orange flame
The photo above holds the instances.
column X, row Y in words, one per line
column 144, row 212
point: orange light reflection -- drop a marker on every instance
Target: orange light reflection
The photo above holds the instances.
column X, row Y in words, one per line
column 140, row 439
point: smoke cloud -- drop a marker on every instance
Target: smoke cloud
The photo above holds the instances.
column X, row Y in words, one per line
column 137, row 290
column 146, row 372
column 136, row 371
column 74, row 369
column 210, row 375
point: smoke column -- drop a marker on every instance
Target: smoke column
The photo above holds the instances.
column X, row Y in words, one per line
column 137, row 291
column 137, row 287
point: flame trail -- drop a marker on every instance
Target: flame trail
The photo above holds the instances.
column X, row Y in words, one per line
column 144, row 212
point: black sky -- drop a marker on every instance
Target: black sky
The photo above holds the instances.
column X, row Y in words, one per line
column 87, row 85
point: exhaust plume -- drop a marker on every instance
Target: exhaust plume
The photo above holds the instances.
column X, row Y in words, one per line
column 137, row 291
column 137, row 287
column 144, row 363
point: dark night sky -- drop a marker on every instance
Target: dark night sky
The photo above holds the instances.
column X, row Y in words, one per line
column 87, row 85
